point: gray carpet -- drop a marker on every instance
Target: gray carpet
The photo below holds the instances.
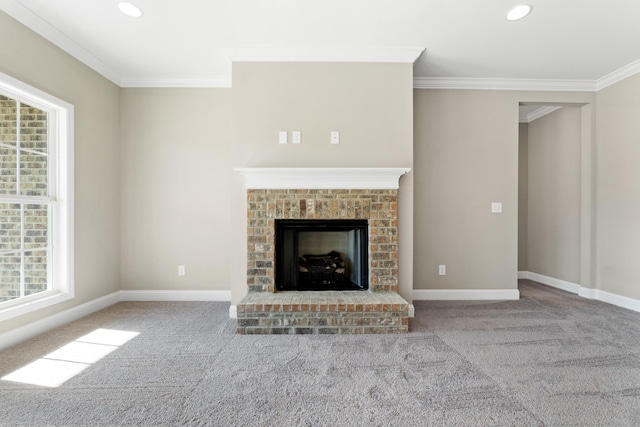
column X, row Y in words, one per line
column 549, row 359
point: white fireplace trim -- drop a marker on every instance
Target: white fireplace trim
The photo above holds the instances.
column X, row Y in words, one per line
column 322, row 178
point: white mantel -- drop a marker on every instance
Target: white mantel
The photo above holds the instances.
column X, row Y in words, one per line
column 323, row 178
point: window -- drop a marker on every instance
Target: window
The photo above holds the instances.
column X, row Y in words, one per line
column 36, row 203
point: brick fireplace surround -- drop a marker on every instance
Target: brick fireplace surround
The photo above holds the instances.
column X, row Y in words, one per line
column 369, row 194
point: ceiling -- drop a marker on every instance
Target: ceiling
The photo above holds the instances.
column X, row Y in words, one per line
column 561, row 45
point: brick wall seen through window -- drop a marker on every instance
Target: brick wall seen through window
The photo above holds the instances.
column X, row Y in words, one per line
column 25, row 207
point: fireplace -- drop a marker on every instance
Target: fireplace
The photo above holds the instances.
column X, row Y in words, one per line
column 321, row 255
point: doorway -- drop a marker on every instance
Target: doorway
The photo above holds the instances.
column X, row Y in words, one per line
column 555, row 194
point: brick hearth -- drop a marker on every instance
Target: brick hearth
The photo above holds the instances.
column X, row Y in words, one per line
column 378, row 310
column 328, row 312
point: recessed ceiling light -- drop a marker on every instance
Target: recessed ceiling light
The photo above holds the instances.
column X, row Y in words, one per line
column 519, row 12
column 130, row 9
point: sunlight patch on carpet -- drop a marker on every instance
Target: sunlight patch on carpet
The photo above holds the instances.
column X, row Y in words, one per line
column 61, row 365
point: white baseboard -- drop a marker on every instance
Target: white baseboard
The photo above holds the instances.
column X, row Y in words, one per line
column 412, row 310
column 589, row 293
column 574, row 288
column 465, row 294
column 619, row 300
column 36, row 328
column 175, row 295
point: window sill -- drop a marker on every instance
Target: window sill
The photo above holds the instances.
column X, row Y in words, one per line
column 40, row 301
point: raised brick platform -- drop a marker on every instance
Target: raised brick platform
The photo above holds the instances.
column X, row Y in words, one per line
column 326, row 312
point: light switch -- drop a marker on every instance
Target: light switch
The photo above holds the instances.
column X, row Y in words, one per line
column 496, row 207
column 335, row 137
column 295, row 137
column 282, row 137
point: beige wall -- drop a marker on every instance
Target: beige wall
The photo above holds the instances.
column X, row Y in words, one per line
column 175, row 172
column 523, row 191
column 29, row 58
column 465, row 157
column 553, row 243
column 369, row 104
column 618, row 188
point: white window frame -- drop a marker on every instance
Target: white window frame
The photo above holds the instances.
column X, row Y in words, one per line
column 60, row 160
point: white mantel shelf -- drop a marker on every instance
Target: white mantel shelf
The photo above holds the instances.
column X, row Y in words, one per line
column 322, row 178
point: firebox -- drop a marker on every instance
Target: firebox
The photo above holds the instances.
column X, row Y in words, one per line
column 317, row 255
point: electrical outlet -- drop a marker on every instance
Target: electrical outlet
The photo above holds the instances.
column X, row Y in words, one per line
column 442, row 270
column 181, row 270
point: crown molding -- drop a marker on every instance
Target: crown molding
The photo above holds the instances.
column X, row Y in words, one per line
column 25, row 16
column 618, row 75
column 504, row 84
column 537, row 113
column 541, row 112
column 322, row 178
column 244, row 55
column 323, row 54
column 215, row 82
column 31, row 20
